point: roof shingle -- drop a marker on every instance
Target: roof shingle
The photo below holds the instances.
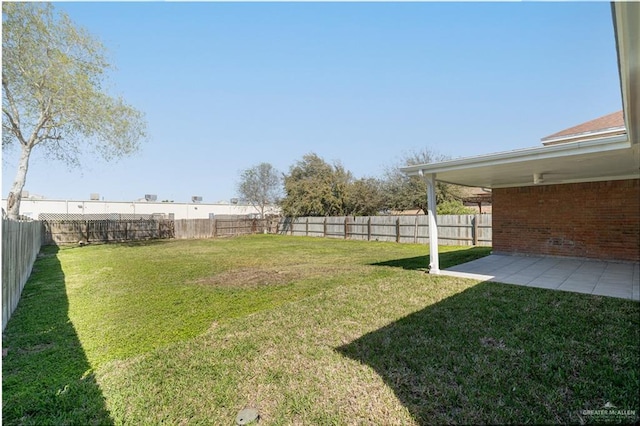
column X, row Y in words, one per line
column 613, row 122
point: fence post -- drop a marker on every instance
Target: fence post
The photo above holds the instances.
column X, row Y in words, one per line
column 474, row 229
column 306, row 227
column 324, row 228
column 398, row 230
column 369, row 229
column 346, row 227
column 215, row 228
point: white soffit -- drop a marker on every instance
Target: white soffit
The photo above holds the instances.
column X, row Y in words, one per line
column 603, row 159
column 626, row 21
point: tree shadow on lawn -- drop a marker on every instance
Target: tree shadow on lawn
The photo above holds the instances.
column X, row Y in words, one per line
column 46, row 377
column 447, row 259
column 496, row 354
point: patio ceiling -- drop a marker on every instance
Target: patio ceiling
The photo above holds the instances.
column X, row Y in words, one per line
column 609, row 158
column 603, row 159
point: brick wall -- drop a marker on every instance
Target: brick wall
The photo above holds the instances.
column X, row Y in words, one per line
column 595, row 220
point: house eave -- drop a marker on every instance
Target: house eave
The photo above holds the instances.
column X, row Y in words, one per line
column 585, row 136
column 626, row 23
column 610, row 158
column 522, row 155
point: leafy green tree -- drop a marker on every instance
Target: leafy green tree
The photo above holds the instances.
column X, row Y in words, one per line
column 314, row 187
column 261, row 185
column 52, row 95
column 366, row 197
column 454, row 207
column 404, row 192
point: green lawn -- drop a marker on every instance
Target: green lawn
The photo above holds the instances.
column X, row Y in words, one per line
column 308, row 331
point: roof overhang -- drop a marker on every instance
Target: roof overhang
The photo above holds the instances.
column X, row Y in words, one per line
column 626, row 24
column 591, row 135
column 605, row 158
column 586, row 161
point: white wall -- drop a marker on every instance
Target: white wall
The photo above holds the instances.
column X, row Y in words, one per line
column 33, row 207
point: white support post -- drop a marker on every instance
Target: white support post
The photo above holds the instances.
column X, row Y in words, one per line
column 434, row 263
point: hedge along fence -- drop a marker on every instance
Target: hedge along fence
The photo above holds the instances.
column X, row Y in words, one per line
column 457, row 230
column 21, row 243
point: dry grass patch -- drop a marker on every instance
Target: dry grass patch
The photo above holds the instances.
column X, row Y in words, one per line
column 251, row 277
column 248, row 277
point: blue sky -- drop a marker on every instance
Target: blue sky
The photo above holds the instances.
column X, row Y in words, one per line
column 225, row 86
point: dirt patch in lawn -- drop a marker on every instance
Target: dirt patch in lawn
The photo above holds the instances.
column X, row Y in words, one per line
column 255, row 276
column 248, row 277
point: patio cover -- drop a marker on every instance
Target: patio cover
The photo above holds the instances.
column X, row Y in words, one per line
column 609, row 158
column 596, row 160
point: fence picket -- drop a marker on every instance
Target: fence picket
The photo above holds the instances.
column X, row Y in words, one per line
column 460, row 230
column 21, row 243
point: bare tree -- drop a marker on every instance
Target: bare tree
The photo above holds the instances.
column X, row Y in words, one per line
column 410, row 192
column 261, row 185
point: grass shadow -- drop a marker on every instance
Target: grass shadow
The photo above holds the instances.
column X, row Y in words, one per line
column 497, row 354
column 46, row 377
column 447, row 259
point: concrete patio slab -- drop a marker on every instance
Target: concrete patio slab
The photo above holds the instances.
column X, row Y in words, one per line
column 613, row 279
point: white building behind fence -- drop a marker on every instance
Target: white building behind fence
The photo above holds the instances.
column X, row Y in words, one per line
column 36, row 208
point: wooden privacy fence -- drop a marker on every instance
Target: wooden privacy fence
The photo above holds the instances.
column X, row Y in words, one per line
column 452, row 230
column 74, row 231
column 21, row 243
column 213, row 228
column 458, row 230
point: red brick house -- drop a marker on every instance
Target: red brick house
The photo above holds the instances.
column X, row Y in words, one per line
column 578, row 194
column 593, row 219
